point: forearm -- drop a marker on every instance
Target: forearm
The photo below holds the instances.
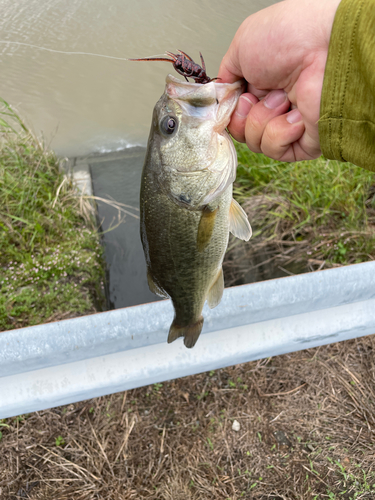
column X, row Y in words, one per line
column 347, row 110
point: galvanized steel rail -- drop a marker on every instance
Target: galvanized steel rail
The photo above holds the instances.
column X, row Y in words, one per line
column 77, row 359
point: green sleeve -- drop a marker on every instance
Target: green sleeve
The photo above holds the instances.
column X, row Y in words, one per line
column 347, row 109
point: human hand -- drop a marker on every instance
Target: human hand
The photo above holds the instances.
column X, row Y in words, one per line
column 281, row 52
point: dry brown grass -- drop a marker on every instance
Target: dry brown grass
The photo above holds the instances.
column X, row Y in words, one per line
column 307, row 431
column 280, row 248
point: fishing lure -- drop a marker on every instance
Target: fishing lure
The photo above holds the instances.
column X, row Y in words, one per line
column 184, row 65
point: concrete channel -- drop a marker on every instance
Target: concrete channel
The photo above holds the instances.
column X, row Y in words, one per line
column 114, row 179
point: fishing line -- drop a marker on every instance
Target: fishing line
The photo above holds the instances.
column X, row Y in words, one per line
column 70, row 53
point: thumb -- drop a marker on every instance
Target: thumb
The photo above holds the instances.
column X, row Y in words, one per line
column 230, row 69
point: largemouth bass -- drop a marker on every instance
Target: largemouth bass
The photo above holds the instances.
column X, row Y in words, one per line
column 187, row 209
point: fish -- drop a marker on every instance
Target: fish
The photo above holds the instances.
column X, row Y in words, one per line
column 186, row 205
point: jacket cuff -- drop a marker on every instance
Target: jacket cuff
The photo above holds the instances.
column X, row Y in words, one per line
column 347, row 109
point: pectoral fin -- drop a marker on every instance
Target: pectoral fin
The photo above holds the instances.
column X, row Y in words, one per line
column 216, row 291
column 154, row 287
column 239, row 224
column 205, row 228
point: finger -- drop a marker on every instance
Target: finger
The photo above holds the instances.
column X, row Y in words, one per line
column 237, row 124
column 279, row 135
column 229, row 71
column 259, row 93
column 283, row 139
column 276, row 103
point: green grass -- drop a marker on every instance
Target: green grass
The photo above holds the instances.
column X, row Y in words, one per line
column 50, row 255
column 325, row 208
column 360, row 484
column 318, row 212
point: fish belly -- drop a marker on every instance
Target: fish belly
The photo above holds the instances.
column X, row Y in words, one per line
column 175, row 265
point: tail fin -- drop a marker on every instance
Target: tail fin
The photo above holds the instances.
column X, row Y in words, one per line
column 190, row 332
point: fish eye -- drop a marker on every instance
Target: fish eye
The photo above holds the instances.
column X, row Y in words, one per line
column 168, row 125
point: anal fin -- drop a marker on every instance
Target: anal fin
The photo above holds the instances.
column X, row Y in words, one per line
column 190, row 332
column 239, row 224
column 154, row 287
column 205, row 228
column 216, row 291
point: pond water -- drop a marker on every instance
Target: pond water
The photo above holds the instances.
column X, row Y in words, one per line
column 82, row 103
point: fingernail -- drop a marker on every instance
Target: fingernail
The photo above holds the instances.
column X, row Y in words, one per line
column 274, row 99
column 243, row 107
column 294, row 116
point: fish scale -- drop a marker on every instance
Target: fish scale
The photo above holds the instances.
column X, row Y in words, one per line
column 177, row 266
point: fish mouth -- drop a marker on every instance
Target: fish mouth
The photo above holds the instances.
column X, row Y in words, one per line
column 201, row 93
column 207, row 100
column 172, row 79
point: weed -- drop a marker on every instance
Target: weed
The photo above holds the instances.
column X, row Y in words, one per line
column 59, row 441
column 203, row 395
column 50, row 256
column 305, row 216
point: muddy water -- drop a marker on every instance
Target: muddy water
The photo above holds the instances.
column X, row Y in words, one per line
column 84, row 103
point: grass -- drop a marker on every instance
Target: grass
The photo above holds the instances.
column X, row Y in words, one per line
column 50, row 255
column 305, row 216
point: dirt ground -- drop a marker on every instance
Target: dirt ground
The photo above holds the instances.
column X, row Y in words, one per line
column 305, row 430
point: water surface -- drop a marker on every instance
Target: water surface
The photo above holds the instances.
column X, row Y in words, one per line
column 84, row 104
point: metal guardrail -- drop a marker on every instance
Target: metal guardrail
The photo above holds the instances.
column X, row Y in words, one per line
column 77, row 359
